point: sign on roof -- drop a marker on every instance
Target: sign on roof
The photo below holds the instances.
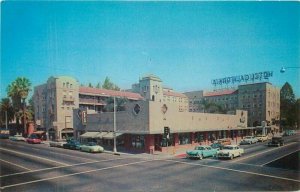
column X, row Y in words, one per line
column 260, row 76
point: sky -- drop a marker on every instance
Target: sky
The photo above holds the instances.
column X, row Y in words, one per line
column 186, row 44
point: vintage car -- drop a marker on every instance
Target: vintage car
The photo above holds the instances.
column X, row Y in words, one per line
column 33, row 139
column 17, row 138
column 262, row 138
column 57, row 143
column 72, row 144
column 276, row 141
column 230, row 151
column 217, row 146
column 201, row 151
column 249, row 140
column 91, row 147
column 224, row 141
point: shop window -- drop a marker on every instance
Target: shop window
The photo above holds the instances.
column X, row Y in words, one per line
column 184, row 138
column 199, row 137
column 138, row 141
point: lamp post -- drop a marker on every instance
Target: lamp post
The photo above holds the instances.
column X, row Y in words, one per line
column 24, row 118
column 115, row 144
column 283, row 69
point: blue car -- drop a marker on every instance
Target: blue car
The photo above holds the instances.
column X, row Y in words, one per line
column 201, row 152
column 72, row 144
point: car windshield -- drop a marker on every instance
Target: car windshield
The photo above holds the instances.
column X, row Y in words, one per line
column 215, row 145
column 248, row 137
column 33, row 137
column 228, row 147
column 91, row 144
column 199, row 148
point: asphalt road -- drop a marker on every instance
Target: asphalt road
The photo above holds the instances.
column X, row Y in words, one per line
column 27, row 167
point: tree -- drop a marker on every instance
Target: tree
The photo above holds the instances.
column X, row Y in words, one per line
column 18, row 90
column 211, row 107
column 98, row 85
column 6, row 108
column 90, row 85
column 120, row 104
column 288, row 113
column 109, row 85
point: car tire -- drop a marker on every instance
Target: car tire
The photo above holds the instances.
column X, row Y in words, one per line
column 232, row 156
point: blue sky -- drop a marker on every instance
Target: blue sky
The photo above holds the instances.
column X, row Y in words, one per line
column 186, row 44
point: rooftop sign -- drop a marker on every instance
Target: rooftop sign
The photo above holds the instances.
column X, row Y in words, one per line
column 243, row 78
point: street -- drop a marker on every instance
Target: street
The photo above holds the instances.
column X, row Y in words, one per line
column 27, row 167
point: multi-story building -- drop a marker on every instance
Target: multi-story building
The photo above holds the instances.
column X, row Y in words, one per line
column 151, row 88
column 141, row 125
column 261, row 100
column 55, row 101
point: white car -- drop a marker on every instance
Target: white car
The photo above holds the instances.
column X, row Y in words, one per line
column 57, row 143
column 17, row 138
column 262, row 138
column 249, row 140
column 91, row 147
column 230, row 151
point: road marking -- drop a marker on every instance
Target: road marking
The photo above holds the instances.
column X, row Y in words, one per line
column 71, row 156
column 68, row 175
column 36, row 157
column 234, row 170
column 247, row 157
column 15, row 164
column 50, row 168
column 279, row 157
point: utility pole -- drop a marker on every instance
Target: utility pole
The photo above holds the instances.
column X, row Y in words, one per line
column 115, row 140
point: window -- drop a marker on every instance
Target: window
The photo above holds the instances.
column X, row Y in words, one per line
column 184, row 138
column 138, row 141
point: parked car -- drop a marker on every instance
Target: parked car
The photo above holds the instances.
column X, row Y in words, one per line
column 57, row 143
column 249, row 140
column 289, row 132
column 201, row 151
column 276, row 141
column 224, row 141
column 72, row 144
column 17, row 138
column 262, row 138
column 217, row 146
column 230, row 151
column 33, row 139
column 91, row 147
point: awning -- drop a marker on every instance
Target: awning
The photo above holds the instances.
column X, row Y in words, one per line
column 89, row 135
column 100, row 135
column 110, row 135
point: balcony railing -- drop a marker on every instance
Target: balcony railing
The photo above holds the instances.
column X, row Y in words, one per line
column 91, row 101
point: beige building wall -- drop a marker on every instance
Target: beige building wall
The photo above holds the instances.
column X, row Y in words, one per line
column 151, row 119
column 190, row 121
column 262, row 101
column 54, row 104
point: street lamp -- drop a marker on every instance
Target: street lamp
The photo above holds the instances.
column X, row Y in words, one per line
column 115, row 144
column 283, row 69
column 23, row 97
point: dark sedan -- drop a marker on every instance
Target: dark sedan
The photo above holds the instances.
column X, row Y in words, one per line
column 72, row 144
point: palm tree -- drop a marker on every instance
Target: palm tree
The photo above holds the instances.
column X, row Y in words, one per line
column 6, row 109
column 18, row 90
